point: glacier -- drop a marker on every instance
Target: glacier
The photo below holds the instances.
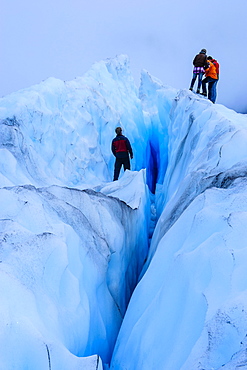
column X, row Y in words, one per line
column 147, row 272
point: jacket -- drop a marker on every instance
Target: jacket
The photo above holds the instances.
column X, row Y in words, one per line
column 121, row 147
column 200, row 60
column 217, row 66
column 211, row 71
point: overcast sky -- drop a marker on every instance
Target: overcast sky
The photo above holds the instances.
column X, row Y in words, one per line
column 62, row 39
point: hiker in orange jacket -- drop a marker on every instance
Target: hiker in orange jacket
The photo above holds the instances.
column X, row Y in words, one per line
column 211, row 79
column 217, row 66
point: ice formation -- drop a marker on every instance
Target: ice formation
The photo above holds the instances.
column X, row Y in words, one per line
column 74, row 244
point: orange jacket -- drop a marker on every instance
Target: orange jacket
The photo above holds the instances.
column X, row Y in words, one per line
column 211, row 71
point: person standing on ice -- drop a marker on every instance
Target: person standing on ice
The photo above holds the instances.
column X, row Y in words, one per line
column 217, row 67
column 121, row 149
column 200, row 63
column 211, row 79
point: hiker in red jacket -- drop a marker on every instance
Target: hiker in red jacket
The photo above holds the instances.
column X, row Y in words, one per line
column 200, row 64
column 121, row 149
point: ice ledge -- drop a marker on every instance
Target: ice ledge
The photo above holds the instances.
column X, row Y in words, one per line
column 131, row 188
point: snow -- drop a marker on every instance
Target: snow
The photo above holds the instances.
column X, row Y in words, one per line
column 75, row 245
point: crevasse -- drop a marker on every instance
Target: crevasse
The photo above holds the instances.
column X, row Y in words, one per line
column 188, row 309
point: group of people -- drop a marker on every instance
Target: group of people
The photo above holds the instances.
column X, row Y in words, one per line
column 203, row 65
column 208, row 66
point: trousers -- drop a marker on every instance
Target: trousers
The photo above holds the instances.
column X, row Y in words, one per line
column 195, row 75
column 125, row 162
column 211, row 88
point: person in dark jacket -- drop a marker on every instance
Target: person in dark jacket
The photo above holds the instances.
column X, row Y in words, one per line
column 200, row 64
column 121, row 149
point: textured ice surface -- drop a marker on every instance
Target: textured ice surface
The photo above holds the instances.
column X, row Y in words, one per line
column 189, row 310
column 69, row 255
column 73, row 243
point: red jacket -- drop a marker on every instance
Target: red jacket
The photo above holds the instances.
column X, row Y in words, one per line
column 121, row 147
column 217, row 66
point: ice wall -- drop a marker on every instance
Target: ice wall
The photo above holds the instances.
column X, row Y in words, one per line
column 65, row 275
column 60, row 132
column 70, row 256
column 189, row 310
column 156, row 101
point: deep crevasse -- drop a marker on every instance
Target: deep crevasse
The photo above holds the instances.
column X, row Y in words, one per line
column 56, row 136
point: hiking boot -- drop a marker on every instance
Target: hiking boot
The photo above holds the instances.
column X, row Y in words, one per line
column 191, row 89
column 198, row 91
column 204, row 94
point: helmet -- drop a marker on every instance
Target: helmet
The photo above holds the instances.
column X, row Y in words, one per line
column 203, row 51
